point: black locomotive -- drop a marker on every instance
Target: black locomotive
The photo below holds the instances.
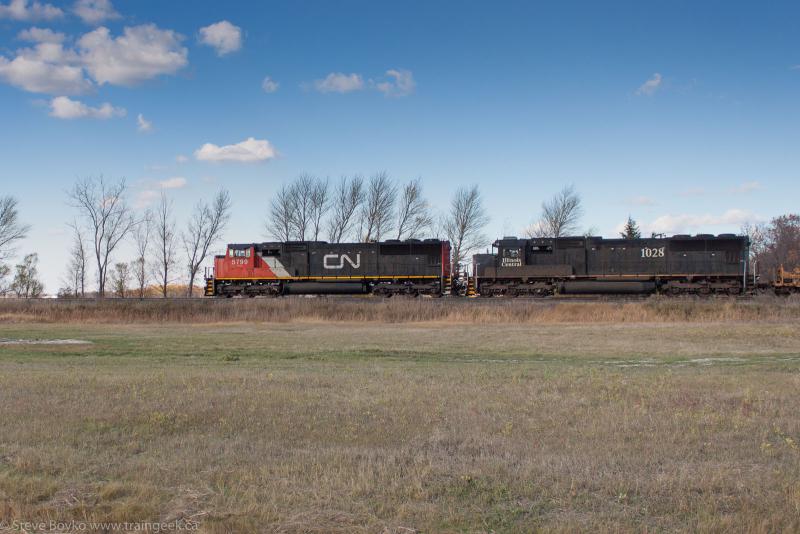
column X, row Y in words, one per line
column 703, row 264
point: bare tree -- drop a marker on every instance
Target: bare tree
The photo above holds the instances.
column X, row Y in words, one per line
column 347, row 200
column 377, row 211
column 781, row 243
column 757, row 233
column 205, row 228
column 11, row 229
column 76, row 268
column 301, row 190
column 164, row 228
column 103, row 207
column 142, row 238
column 120, row 277
column 320, row 203
column 413, row 213
column 464, row 225
column 538, row 229
column 26, row 280
column 560, row 215
column 280, row 220
column 4, row 288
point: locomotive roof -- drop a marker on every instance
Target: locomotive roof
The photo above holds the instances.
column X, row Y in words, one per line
column 596, row 239
column 278, row 243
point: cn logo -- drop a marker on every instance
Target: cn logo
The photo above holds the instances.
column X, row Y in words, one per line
column 336, row 261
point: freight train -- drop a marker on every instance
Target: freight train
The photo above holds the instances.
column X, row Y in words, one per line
column 539, row 267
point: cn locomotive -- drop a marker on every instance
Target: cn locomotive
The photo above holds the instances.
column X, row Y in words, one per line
column 703, row 264
column 411, row 267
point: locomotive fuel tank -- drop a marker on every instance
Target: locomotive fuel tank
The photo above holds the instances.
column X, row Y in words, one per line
column 596, row 287
column 325, row 288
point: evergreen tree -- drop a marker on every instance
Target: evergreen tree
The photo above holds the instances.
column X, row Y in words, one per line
column 631, row 230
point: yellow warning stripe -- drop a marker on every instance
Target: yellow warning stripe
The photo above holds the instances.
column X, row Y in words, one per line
column 654, row 275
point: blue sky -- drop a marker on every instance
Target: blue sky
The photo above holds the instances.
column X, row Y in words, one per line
column 683, row 115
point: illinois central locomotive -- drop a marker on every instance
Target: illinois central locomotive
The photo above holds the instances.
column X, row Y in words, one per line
column 412, row 267
column 703, row 264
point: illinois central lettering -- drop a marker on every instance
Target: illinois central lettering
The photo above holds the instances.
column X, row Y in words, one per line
column 336, row 261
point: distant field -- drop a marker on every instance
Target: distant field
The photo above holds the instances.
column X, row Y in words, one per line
column 401, row 309
column 307, row 425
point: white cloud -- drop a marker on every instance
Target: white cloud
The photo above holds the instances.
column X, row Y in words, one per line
column 337, row 82
column 746, row 187
column 63, row 107
column 269, row 85
column 41, row 35
column 649, row 87
column 140, row 53
column 180, row 158
column 401, row 83
column 95, row 11
column 222, row 36
column 641, row 201
column 145, row 198
column 176, row 182
column 154, row 190
column 45, row 68
column 248, row 151
column 693, row 192
column 670, row 224
column 24, row 10
column 142, row 124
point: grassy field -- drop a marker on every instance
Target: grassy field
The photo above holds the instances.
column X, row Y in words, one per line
column 315, row 426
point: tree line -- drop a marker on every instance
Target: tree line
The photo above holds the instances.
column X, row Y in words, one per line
column 774, row 244
column 353, row 208
column 104, row 220
column 376, row 208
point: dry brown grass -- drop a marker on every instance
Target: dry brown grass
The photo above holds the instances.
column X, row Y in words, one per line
column 348, row 427
column 398, row 310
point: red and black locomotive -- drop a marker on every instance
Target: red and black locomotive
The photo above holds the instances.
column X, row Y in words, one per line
column 412, row 267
